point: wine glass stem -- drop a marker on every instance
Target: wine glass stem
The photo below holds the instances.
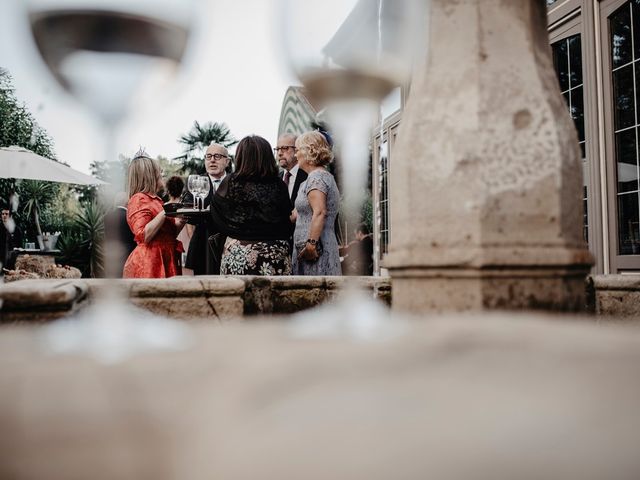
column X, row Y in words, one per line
column 113, row 250
column 352, row 121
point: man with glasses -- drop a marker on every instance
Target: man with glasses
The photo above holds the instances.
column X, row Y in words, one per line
column 200, row 257
column 286, row 155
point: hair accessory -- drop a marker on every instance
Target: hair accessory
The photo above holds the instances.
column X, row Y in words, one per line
column 141, row 153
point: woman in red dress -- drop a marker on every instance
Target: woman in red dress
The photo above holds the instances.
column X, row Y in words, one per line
column 157, row 252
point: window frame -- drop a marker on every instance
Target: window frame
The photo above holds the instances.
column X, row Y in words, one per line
column 619, row 263
column 390, row 128
column 564, row 20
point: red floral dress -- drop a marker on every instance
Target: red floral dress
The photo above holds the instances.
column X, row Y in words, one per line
column 160, row 257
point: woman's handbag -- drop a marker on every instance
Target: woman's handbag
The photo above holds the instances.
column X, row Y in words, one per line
column 300, row 246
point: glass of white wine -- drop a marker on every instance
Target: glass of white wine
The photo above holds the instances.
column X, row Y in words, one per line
column 112, row 56
column 349, row 55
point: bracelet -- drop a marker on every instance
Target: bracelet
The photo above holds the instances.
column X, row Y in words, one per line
column 311, row 241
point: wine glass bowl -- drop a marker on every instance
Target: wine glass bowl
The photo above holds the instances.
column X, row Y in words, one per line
column 345, row 49
column 349, row 55
column 113, row 57
column 110, row 55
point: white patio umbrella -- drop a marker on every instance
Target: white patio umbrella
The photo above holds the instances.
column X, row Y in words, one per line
column 18, row 162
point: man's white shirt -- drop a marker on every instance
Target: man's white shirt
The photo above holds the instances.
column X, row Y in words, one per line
column 218, row 180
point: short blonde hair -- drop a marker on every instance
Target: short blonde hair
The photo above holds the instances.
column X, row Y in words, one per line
column 315, row 148
column 143, row 176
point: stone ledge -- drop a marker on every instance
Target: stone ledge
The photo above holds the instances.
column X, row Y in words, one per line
column 615, row 296
column 208, row 298
column 41, row 300
column 616, row 282
column 267, row 295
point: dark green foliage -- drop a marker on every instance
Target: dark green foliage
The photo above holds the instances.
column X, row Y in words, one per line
column 82, row 243
column 17, row 125
column 197, row 141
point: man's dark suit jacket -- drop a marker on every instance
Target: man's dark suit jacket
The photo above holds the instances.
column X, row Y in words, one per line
column 8, row 241
column 300, row 177
column 204, row 255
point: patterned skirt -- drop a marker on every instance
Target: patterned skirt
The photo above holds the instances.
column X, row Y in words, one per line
column 242, row 257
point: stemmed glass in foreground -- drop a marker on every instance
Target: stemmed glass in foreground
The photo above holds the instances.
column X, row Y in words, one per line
column 349, row 55
column 110, row 55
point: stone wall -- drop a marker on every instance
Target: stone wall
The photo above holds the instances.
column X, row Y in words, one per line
column 225, row 298
column 614, row 297
column 209, row 298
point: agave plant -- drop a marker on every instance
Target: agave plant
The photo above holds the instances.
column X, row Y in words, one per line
column 73, row 252
column 90, row 221
column 82, row 245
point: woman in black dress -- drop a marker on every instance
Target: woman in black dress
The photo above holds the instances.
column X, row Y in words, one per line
column 252, row 208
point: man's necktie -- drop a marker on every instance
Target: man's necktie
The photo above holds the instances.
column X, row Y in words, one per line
column 287, row 177
column 216, row 184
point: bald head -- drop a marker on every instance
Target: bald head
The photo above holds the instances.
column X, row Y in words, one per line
column 216, row 160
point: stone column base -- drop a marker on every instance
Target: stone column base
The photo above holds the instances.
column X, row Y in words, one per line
column 436, row 290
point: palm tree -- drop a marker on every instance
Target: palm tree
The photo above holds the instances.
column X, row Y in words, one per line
column 197, row 141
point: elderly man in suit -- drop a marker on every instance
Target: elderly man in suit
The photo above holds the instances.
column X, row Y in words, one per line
column 292, row 175
column 203, row 256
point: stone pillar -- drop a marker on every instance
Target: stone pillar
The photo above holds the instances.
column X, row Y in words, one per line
column 486, row 182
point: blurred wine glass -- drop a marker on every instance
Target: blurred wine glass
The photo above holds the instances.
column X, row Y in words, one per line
column 349, row 55
column 114, row 57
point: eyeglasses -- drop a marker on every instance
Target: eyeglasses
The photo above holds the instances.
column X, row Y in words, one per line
column 215, row 156
column 284, row 148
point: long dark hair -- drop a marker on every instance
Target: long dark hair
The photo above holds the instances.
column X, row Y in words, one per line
column 254, row 158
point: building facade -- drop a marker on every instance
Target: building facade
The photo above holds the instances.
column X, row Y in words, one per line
column 596, row 52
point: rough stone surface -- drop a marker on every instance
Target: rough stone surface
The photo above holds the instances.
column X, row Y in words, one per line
column 41, row 300
column 39, row 264
column 486, row 188
column 207, row 298
column 186, row 298
column 486, row 397
column 264, row 295
column 615, row 297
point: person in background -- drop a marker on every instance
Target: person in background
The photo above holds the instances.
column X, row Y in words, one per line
column 175, row 187
column 292, row 175
column 117, row 230
column 201, row 258
column 252, row 209
column 358, row 254
column 156, row 253
column 10, row 235
column 315, row 248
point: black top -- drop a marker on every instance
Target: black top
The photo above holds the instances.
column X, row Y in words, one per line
column 8, row 241
column 253, row 208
